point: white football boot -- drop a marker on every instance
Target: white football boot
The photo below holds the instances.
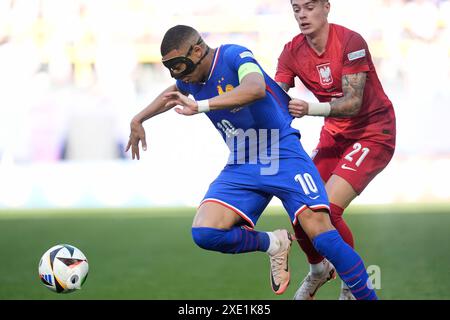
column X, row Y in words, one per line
column 312, row 282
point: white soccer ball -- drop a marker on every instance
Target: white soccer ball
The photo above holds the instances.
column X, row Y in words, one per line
column 63, row 268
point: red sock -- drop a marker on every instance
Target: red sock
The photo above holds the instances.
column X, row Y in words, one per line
column 340, row 225
column 311, row 253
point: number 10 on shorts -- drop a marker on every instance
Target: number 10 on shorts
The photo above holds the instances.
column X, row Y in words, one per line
column 307, row 183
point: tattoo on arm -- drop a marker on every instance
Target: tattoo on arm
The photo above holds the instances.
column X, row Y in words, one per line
column 284, row 86
column 353, row 89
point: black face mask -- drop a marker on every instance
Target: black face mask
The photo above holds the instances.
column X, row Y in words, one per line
column 182, row 66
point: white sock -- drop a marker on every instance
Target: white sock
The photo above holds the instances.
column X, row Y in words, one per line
column 318, row 268
column 343, row 285
column 274, row 245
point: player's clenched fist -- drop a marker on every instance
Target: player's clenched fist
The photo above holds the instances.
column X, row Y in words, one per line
column 298, row 108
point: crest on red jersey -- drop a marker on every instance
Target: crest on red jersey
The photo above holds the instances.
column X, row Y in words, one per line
column 325, row 75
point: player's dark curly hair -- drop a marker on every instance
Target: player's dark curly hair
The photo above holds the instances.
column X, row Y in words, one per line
column 176, row 36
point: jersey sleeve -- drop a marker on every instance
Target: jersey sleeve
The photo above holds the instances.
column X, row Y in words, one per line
column 284, row 73
column 355, row 55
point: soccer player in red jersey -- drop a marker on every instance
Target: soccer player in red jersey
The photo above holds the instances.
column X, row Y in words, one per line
column 357, row 140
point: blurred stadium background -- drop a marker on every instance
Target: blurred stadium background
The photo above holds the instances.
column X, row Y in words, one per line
column 74, row 72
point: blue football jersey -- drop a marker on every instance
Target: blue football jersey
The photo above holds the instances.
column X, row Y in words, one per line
column 266, row 121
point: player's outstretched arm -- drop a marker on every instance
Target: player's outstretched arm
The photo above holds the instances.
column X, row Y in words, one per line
column 137, row 133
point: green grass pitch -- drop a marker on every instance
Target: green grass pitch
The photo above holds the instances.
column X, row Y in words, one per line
column 149, row 254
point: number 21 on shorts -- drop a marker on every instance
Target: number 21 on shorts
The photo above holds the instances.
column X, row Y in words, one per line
column 356, row 149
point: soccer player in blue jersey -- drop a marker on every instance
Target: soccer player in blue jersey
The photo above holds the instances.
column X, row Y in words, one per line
column 250, row 111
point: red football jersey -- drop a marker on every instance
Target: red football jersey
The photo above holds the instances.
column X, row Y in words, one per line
column 346, row 53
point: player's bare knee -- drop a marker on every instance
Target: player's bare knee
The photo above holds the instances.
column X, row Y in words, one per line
column 202, row 219
column 199, row 220
column 315, row 222
column 214, row 215
column 211, row 215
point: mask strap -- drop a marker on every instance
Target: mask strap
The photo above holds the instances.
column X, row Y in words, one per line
column 203, row 57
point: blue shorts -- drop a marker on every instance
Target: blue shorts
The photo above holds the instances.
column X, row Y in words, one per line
column 243, row 189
